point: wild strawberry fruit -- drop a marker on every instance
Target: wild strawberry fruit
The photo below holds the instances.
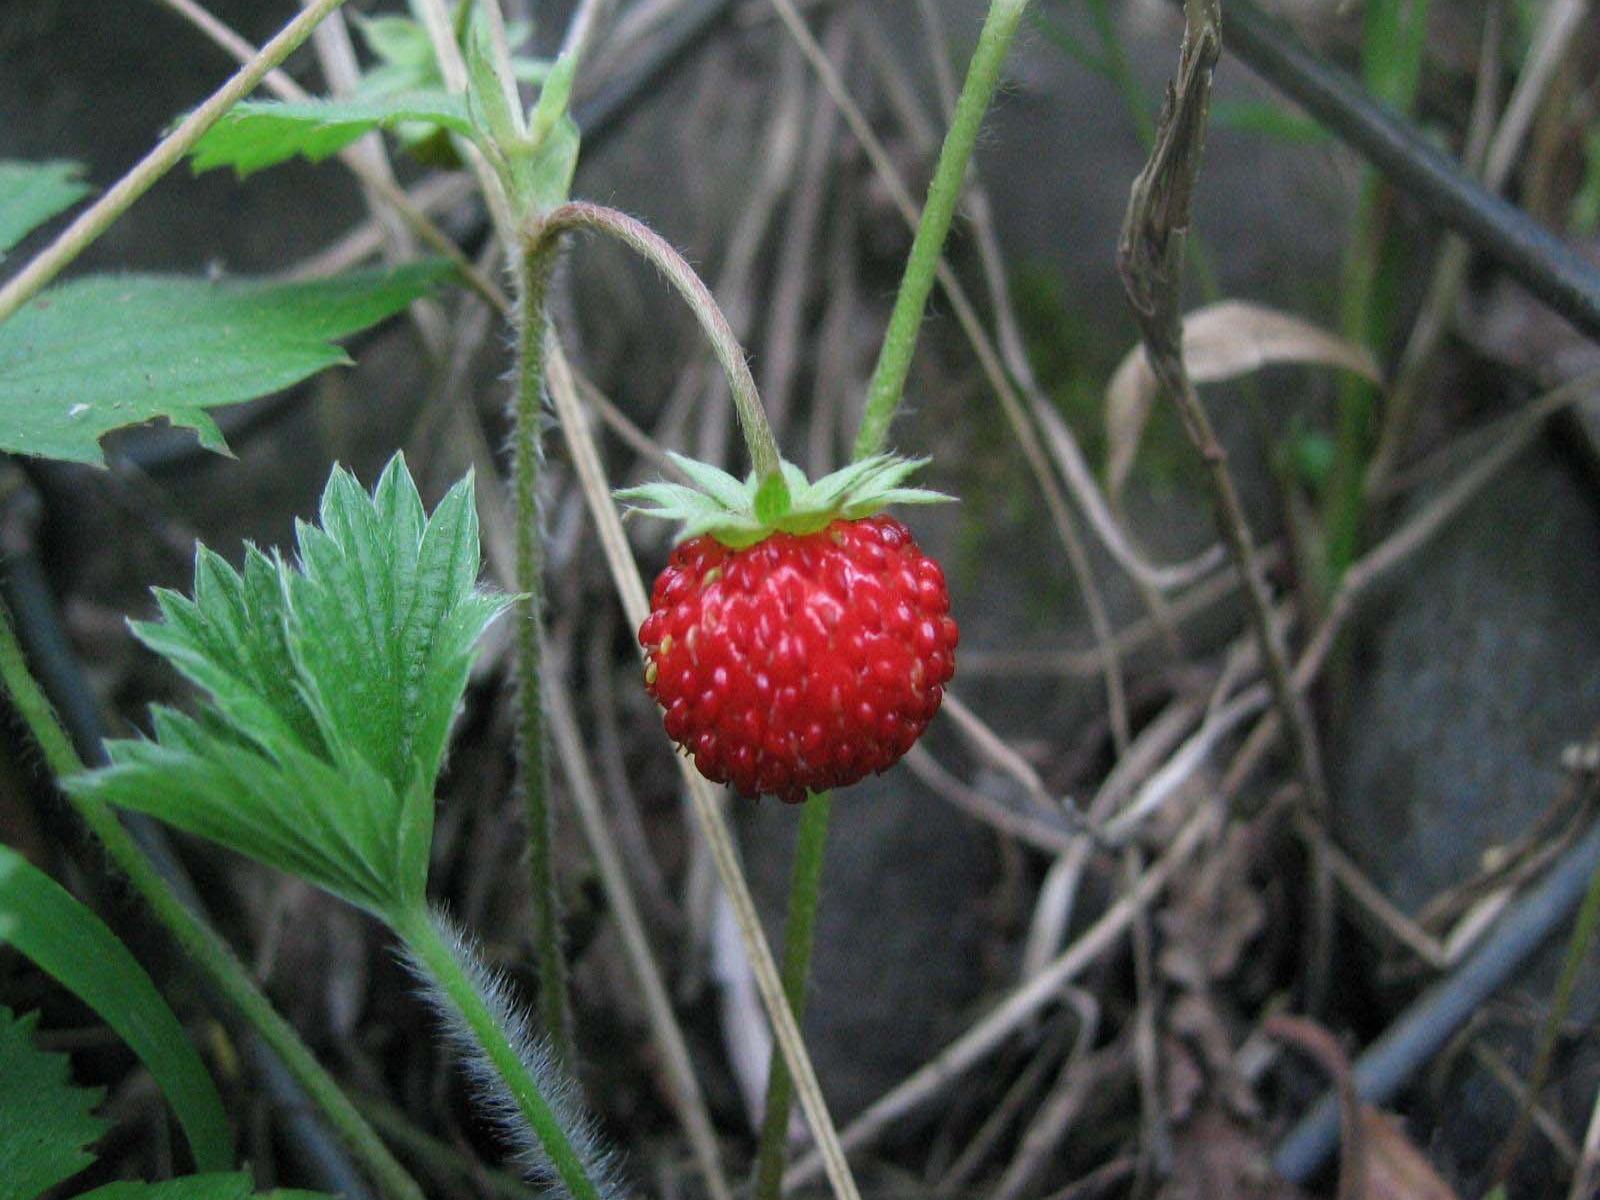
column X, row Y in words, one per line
column 805, row 648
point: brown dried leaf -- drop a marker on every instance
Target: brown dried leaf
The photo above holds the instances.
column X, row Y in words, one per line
column 1215, row 1156
column 1220, row 341
column 1396, row 1169
column 1215, row 916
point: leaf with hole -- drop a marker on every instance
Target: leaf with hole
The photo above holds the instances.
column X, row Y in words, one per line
column 1220, row 341
column 33, row 192
column 331, row 685
column 106, row 352
column 256, row 134
column 68, row 942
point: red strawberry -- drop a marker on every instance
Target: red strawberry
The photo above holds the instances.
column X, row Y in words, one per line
column 801, row 651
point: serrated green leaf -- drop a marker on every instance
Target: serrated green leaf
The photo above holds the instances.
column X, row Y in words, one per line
column 46, row 1122
column 713, row 481
column 218, row 1186
column 256, row 134
column 331, row 687
column 72, row 945
column 33, row 192
column 106, row 352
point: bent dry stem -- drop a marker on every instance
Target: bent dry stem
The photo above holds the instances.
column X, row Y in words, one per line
column 199, row 941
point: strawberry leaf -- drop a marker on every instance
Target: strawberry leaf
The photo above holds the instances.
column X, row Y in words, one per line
column 331, row 685
column 46, row 1123
column 233, row 1185
column 49, row 926
column 105, row 352
column 33, row 192
column 256, row 134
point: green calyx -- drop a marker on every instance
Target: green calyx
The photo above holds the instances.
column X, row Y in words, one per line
column 740, row 514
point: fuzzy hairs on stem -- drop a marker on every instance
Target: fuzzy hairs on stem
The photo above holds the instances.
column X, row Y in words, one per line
column 515, row 1075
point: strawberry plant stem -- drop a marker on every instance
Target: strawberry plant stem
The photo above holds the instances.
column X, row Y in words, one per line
column 533, row 285
column 99, row 216
column 595, row 218
column 799, row 934
column 900, row 341
column 455, row 978
column 199, row 941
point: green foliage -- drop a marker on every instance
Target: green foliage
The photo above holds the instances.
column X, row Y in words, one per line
column 1267, row 119
column 263, row 133
column 331, row 687
column 46, row 1125
column 406, row 61
column 536, row 166
column 31, row 193
column 101, row 353
column 68, row 942
column 232, row 1185
column 1585, row 214
column 742, row 514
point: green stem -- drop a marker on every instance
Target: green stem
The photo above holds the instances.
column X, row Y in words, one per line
column 198, row 940
column 533, row 286
column 799, row 934
column 900, row 342
column 98, row 217
column 455, row 979
column 596, row 218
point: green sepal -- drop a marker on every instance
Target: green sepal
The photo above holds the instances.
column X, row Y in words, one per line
column 740, row 514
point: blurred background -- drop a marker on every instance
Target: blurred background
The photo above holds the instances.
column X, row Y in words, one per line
column 1106, row 663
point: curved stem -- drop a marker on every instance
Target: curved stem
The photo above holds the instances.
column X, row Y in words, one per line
column 455, row 979
column 900, row 342
column 98, row 217
column 799, row 934
column 581, row 215
column 198, row 940
column 533, row 285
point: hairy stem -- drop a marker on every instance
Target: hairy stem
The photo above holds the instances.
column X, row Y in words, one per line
column 455, row 979
column 533, row 285
column 900, row 341
column 199, row 941
column 98, row 217
column 799, row 934
column 596, row 218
